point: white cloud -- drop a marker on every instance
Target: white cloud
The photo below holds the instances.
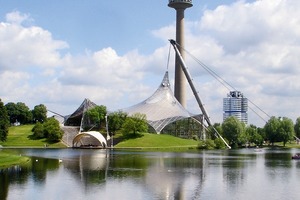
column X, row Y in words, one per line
column 17, row 18
column 253, row 46
column 27, row 46
column 34, row 71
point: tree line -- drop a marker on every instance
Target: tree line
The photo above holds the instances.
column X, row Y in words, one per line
column 118, row 121
column 237, row 134
column 20, row 114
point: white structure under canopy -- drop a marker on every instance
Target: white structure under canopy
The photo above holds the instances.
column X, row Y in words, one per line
column 89, row 139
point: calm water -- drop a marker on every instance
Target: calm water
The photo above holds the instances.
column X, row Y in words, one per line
column 102, row 174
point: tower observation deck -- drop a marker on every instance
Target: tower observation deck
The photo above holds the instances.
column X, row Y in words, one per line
column 180, row 4
column 180, row 81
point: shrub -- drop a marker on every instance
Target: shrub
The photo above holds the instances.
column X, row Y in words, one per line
column 38, row 131
column 49, row 130
column 206, row 144
column 219, row 143
column 52, row 131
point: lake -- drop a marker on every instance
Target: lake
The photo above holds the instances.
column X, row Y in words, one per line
column 114, row 174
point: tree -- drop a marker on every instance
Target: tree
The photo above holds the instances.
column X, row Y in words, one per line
column 25, row 115
column 253, row 136
column 232, row 129
column 19, row 112
column 219, row 143
column 215, row 127
column 279, row 130
column 116, row 120
column 135, row 124
column 96, row 115
column 52, row 131
column 4, row 122
column 12, row 112
column 286, row 130
column 242, row 138
column 38, row 131
column 206, row 144
column 297, row 127
column 39, row 113
column 271, row 130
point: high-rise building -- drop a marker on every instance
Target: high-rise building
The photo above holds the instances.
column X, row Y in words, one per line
column 180, row 80
column 235, row 105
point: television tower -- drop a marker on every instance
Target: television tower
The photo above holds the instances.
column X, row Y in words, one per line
column 180, row 81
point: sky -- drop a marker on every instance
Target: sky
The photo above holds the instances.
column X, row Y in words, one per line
column 115, row 53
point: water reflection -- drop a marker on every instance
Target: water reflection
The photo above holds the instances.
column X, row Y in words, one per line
column 36, row 170
column 83, row 174
column 88, row 168
column 171, row 177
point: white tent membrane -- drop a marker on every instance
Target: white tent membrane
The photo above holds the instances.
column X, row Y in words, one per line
column 88, row 139
column 162, row 108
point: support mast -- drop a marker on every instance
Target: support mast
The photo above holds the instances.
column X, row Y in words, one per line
column 189, row 79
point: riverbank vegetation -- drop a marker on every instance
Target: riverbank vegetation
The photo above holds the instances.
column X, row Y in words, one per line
column 46, row 131
column 21, row 136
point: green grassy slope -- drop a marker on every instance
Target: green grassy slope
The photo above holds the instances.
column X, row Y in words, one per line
column 18, row 136
column 157, row 141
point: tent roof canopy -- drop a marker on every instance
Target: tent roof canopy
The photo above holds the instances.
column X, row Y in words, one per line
column 162, row 108
column 75, row 118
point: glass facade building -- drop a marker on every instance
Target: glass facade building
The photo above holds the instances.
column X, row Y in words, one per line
column 235, row 105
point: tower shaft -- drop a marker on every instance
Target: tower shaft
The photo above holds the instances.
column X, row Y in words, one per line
column 180, row 81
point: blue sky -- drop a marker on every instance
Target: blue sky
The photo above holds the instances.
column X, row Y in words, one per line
column 115, row 53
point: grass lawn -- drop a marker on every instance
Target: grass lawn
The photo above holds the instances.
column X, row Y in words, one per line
column 18, row 136
column 291, row 144
column 157, row 141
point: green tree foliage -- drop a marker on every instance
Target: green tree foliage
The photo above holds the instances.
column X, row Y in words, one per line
column 219, row 143
column 38, row 131
column 242, row 138
column 213, row 128
column 286, row 130
column 271, row 129
column 39, row 113
column 116, row 120
column 96, row 115
column 4, row 122
column 233, row 130
column 52, row 130
column 279, row 130
column 135, row 125
column 297, row 127
column 19, row 112
column 206, row 144
column 12, row 112
column 253, row 136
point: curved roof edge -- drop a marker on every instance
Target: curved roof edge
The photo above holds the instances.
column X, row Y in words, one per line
column 95, row 134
